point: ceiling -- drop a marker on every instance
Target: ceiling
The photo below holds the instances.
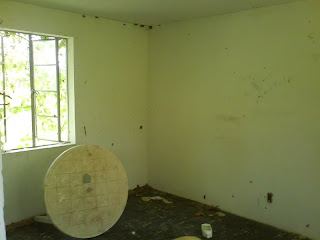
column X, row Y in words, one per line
column 151, row 12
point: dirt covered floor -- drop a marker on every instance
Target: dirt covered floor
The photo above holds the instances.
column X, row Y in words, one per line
column 167, row 218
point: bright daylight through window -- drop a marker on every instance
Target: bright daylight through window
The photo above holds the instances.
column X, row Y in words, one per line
column 33, row 87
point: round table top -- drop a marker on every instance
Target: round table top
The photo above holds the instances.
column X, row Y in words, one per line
column 85, row 191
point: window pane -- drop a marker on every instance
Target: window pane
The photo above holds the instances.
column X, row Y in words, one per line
column 0, row 50
column 47, row 128
column 45, row 78
column 2, row 137
column 17, row 85
column 1, row 106
column 2, row 129
column 63, row 89
column 46, row 103
column 1, row 87
column 41, row 37
column 19, row 130
column 44, row 52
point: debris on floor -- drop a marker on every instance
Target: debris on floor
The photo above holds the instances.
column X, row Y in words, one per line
column 199, row 213
column 206, row 230
column 220, row 214
column 147, row 199
column 211, row 212
column 157, row 220
column 187, row 238
column 139, row 190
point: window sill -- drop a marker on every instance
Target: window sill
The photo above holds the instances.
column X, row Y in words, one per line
column 38, row 148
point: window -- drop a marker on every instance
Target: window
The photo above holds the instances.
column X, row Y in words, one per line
column 33, row 88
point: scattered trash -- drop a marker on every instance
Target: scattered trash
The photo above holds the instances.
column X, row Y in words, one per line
column 210, row 211
column 199, row 213
column 166, row 201
column 133, row 233
column 213, row 208
column 147, row 199
column 206, row 230
column 220, row 214
column 187, row 238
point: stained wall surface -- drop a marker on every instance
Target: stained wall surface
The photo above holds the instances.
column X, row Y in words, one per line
column 234, row 113
column 110, row 82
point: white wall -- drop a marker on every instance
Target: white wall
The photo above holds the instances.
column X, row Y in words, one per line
column 111, row 61
column 234, row 99
column 23, row 175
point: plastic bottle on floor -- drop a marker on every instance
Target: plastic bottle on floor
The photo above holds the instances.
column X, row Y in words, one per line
column 206, row 230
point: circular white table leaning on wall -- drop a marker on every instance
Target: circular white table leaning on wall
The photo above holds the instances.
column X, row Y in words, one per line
column 85, row 191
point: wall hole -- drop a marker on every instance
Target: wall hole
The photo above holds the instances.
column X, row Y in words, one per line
column 86, row 179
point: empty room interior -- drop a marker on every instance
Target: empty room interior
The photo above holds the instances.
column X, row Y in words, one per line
column 160, row 119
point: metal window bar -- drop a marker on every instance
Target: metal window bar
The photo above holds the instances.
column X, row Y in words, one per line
column 52, row 91
column 43, row 40
column 44, row 65
column 67, row 88
column 4, row 91
column 48, row 140
column 51, row 116
column 58, row 90
column 33, row 92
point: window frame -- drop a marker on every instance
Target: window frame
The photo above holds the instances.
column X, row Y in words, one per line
column 33, row 91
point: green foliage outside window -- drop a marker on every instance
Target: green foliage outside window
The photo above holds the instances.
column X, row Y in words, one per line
column 19, row 113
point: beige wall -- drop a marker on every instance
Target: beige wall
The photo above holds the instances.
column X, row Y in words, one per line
column 23, row 175
column 232, row 103
column 234, row 113
column 110, row 65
